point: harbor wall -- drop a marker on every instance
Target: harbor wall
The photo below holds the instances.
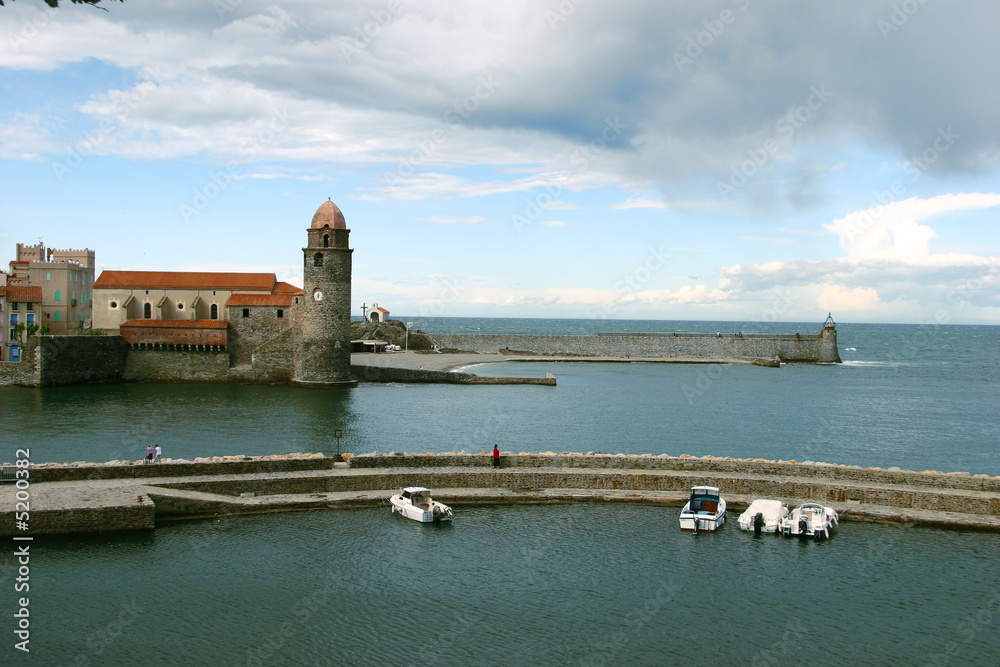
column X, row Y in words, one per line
column 89, row 497
column 51, row 361
column 820, row 347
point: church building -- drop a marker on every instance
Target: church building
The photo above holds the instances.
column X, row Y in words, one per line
column 238, row 327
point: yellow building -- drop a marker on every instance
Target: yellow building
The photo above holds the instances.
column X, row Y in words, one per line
column 66, row 278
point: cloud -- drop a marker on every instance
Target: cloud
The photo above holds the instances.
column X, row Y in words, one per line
column 457, row 219
column 644, row 202
column 894, row 230
column 516, row 98
column 837, row 298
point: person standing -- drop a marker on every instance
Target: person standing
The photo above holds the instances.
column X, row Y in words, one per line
column 149, row 455
column 496, row 456
column 158, row 453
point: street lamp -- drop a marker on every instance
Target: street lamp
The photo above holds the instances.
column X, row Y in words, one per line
column 406, row 338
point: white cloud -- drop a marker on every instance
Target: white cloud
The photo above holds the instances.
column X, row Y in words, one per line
column 837, row 298
column 448, row 219
column 894, row 231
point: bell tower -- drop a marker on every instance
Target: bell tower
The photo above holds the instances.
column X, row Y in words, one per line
column 323, row 336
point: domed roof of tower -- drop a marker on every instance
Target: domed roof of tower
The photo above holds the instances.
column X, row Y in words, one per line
column 328, row 215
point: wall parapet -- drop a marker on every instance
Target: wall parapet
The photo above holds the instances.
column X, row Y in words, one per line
column 707, row 464
column 820, row 348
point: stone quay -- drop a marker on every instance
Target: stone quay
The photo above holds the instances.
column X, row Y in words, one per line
column 119, row 496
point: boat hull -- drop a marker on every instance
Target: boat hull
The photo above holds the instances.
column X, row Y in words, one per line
column 810, row 521
column 436, row 513
column 705, row 522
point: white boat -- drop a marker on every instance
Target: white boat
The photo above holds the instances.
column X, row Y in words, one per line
column 810, row 521
column 705, row 509
column 763, row 516
column 415, row 502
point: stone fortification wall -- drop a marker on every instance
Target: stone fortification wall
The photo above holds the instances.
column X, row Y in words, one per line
column 165, row 365
column 792, row 347
column 217, row 465
column 69, row 360
column 261, row 333
column 49, row 361
column 684, row 463
column 24, row 373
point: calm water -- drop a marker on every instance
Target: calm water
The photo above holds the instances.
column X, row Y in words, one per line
column 906, row 396
column 565, row 585
column 524, row 585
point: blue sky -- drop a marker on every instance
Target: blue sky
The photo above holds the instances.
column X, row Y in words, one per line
column 727, row 160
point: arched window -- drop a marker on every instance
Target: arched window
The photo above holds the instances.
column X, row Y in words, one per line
column 318, row 259
column 147, row 311
column 214, row 311
column 58, row 316
column 58, row 295
column 326, row 240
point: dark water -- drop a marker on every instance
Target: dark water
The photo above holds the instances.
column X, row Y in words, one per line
column 524, row 585
column 562, row 585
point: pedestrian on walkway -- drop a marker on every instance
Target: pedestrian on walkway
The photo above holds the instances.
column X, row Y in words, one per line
column 158, row 453
column 496, row 456
column 149, row 455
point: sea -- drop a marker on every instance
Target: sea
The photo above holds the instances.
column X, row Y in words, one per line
column 531, row 585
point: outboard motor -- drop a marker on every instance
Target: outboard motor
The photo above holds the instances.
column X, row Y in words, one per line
column 803, row 525
column 758, row 523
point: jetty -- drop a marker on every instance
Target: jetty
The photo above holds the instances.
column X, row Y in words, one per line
column 122, row 496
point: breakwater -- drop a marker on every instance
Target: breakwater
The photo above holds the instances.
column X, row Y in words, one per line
column 79, row 498
column 816, row 348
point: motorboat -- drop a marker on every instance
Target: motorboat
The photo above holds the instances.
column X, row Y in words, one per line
column 705, row 510
column 415, row 502
column 810, row 521
column 763, row 516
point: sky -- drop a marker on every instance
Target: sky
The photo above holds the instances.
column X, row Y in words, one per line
column 719, row 160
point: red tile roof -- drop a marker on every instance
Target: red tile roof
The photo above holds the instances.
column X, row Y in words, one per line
column 260, row 300
column 178, row 324
column 176, row 332
column 30, row 293
column 185, row 280
column 285, row 288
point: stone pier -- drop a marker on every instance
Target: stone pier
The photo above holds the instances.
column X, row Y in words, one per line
column 99, row 498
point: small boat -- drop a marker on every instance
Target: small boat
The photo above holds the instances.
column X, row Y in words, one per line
column 705, row 509
column 810, row 521
column 415, row 502
column 763, row 516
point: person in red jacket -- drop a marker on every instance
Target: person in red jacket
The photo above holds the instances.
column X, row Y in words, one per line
column 496, row 456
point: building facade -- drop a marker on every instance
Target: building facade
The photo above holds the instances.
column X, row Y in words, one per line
column 66, row 279
column 121, row 296
column 238, row 327
column 21, row 306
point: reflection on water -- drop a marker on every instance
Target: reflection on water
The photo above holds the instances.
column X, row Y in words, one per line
column 551, row 585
